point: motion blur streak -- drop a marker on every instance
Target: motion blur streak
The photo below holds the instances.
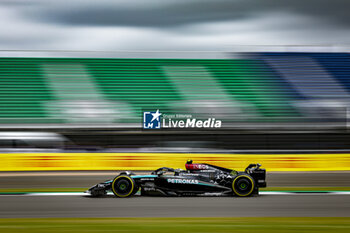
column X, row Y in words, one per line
column 151, row 161
column 283, row 90
column 266, row 205
column 89, row 89
column 184, row 225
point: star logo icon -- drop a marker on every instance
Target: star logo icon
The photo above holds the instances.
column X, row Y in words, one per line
column 156, row 115
column 151, row 120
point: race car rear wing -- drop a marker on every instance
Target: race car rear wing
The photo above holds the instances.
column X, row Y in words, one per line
column 257, row 173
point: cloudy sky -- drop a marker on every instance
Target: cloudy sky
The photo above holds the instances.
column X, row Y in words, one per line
column 167, row 25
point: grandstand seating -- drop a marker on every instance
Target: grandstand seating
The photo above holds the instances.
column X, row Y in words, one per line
column 41, row 90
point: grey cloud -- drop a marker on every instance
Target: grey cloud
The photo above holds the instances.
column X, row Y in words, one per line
column 176, row 13
column 170, row 24
column 19, row 2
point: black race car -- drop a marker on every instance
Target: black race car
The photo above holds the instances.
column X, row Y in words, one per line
column 197, row 179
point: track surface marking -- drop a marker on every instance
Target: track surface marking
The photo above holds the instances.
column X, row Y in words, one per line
column 264, row 205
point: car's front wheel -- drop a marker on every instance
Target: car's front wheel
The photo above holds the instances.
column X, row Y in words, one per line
column 123, row 186
column 243, row 185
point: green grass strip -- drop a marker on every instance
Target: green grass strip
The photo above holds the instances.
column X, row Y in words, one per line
column 183, row 225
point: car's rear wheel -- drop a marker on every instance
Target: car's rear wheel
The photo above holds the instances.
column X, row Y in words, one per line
column 123, row 186
column 243, row 185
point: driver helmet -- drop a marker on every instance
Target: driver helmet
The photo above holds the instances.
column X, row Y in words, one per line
column 189, row 161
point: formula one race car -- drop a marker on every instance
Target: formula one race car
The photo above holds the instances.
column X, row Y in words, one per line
column 197, row 179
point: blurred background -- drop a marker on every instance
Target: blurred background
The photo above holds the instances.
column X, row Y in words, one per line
column 95, row 100
column 276, row 74
column 76, row 77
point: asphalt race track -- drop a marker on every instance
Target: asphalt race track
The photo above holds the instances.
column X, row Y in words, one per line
column 288, row 205
column 24, row 180
column 301, row 205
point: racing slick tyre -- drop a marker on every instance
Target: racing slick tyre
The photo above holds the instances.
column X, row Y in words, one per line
column 123, row 186
column 243, row 185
